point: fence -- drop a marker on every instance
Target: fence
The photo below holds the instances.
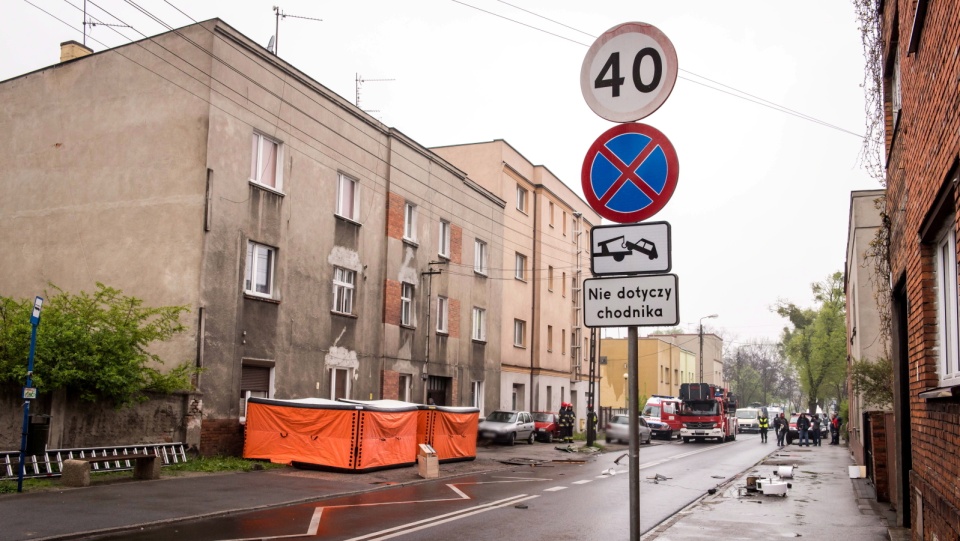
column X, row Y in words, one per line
column 50, row 463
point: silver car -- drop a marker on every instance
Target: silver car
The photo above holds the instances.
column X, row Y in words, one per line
column 618, row 429
column 508, row 426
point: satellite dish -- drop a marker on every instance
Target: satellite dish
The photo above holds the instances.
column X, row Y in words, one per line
column 273, row 39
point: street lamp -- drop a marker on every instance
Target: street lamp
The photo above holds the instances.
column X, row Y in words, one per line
column 701, row 343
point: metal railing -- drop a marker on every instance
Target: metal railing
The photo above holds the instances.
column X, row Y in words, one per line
column 50, row 464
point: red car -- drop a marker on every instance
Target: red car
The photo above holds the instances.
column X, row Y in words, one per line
column 547, row 425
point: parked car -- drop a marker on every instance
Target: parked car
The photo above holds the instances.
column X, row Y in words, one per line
column 659, row 429
column 547, row 425
column 792, row 432
column 508, row 426
column 618, row 429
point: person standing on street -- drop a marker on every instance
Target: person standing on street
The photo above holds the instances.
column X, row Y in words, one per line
column 803, row 427
column 815, row 430
column 764, row 423
column 780, row 428
column 566, row 421
column 835, row 430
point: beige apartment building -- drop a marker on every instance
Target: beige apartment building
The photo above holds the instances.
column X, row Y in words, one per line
column 545, row 254
column 661, row 367
column 712, row 355
column 320, row 252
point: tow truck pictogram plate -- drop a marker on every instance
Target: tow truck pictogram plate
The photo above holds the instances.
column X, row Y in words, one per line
column 642, row 248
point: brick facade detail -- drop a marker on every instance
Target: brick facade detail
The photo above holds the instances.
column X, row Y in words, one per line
column 221, row 437
column 390, row 385
column 395, row 204
column 878, row 443
column 456, row 244
column 453, row 323
column 391, row 302
column 922, row 156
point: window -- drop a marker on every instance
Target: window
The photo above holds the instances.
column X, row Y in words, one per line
column 347, row 201
column 479, row 324
column 444, row 239
column 343, row 284
column 259, row 271
column 550, row 277
column 549, row 337
column 476, row 395
column 564, row 223
column 521, row 199
column 519, row 332
column 895, row 98
column 254, row 383
column 521, row 267
column 480, row 257
column 264, row 163
column 339, row 383
column 550, row 213
column 410, row 221
column 563, row 341
column 563, row 284
column 406, row 383
column 946, row 282
column 406, row 304
column 443, row 311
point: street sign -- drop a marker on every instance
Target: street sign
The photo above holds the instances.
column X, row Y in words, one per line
column 629, row 173
column 628, row 72
column 642, row 248
column 640, row 301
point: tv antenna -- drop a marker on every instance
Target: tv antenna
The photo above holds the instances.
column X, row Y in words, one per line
column 274, row 41
column 88, row 21
column 360, row 81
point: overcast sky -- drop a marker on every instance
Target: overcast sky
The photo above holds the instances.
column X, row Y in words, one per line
column 762, row 202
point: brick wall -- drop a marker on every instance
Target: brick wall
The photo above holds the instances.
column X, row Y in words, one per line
column 922, row 151
column 878, row 442
column 390, row 385
column 391, row 302
column 456, row 244
column 395, row 204
column 221, row 437
column 454, row 319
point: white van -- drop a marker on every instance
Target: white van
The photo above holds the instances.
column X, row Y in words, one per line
column 747, row 420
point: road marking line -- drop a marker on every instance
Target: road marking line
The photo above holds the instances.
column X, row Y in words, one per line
column 441, row 519
column 582, row 481
column 554, row 489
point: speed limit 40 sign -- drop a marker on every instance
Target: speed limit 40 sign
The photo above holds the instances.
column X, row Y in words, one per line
column 628, row 72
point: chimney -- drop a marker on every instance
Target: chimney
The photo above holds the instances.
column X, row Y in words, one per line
column 70, row 50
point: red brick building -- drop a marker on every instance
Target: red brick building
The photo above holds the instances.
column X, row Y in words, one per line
column 921, row 87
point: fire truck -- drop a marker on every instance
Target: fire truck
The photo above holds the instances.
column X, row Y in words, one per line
column 665, row 409
column 708, row 412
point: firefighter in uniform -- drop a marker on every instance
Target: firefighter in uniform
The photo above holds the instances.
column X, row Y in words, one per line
column 764, row 425
column 566, row 421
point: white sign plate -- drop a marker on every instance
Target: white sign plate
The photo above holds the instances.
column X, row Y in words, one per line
column 628, row 72
column 641, row 248
column 641, row 301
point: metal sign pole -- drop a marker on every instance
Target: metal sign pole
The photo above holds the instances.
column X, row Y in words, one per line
column 29, row 392
column 634, row 416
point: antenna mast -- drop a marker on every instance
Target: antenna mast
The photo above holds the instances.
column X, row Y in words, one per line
column 360, row 81
column 276, row 33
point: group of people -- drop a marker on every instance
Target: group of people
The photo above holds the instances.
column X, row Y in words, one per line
column 567, row 418
column 810, row 430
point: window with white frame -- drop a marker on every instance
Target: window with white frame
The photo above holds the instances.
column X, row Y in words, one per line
column 410, row 221
column 444, row 239
column 339, row 383
column 259, row 272
column 348, row 203
column 255, row 382
column 479, row 324
column 265, row 161
column 406, row 385
column 480, row 257
column 344, row 281
column 476, row 395
column 521, row 272
column 946, row 282
column 406, row 304
column 521, row 199
column 519, row 332
column 896, row 101
column 443, row 314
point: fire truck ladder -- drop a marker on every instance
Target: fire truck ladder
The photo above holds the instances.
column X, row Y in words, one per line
column 50, row 463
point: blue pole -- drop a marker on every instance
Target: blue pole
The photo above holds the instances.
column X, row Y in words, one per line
column 28, row 391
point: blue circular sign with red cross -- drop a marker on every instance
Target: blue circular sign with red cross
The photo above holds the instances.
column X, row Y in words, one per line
column 630, row 172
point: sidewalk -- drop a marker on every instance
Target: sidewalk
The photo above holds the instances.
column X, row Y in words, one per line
column 824, row 501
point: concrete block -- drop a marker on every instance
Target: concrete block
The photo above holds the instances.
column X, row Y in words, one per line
column 76, row 473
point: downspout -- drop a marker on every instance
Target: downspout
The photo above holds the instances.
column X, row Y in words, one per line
column 383, row 260
column 534, row 320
